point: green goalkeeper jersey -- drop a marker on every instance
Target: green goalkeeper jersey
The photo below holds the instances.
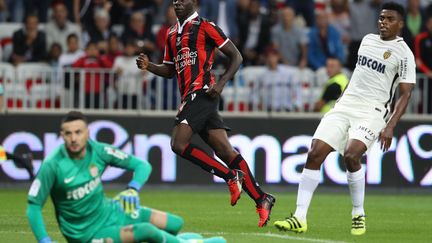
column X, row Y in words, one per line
column 76, row 190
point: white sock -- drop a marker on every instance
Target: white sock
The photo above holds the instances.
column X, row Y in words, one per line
column 356, row 183
column 308, row 183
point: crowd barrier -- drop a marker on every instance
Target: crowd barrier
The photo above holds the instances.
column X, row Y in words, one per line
column 38, row 86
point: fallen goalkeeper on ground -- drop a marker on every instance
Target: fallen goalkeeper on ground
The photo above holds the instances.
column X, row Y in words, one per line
column 71, row 175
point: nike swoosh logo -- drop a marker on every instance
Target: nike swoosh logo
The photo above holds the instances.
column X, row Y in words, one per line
column 68, row 180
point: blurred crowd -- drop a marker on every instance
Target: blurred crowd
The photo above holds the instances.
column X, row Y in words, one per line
column 110, row 33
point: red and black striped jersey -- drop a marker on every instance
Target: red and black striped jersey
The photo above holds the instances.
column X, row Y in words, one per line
column 190, row 48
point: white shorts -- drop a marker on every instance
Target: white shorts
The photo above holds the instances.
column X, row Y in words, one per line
column 351, row 120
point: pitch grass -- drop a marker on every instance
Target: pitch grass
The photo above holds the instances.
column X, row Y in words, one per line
column 390, row 218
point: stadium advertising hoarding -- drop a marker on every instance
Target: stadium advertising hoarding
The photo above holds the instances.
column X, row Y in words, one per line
column 275, row 149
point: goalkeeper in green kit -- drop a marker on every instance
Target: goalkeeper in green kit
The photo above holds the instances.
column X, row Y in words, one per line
column 71, row 175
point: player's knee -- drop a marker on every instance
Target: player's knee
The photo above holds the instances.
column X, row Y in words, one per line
column 178, row 147
column 146, row 232
column 351, row 160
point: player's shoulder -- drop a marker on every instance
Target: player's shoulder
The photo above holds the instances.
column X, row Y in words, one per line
column 203, row 21
column 172, row 29
column 98, row 147
column 105, row 150
column 370, row 38
column 55, row 157
column 402, row 46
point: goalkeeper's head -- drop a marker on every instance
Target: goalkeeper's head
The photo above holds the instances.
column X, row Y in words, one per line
column 75, row 134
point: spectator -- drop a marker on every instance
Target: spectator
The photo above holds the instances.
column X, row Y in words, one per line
column 324, row 41
column 279, row 85
column 136, row 30
column 112, row 52
column 423, row 54
column 304, row 7
column 1, row 97
column 336, row 84
column 66, row 59
column 101, row 31
column 413, row 23
column 339, row 18
column 85, row 10
column 224, row 14
column 93, row 86
column 255, row 31
column 60, row 27
column 170, row 20
column 37, row 7
column 28, row 42
column 363, row 20
column 54, row 54
column 12, row 10
column 290, row 40
column 129, row 77
column 72, row 53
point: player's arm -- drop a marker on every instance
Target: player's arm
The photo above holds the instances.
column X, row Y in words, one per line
column 386, row 135
column 235, row 60
column 37, row 196
column 166, row 70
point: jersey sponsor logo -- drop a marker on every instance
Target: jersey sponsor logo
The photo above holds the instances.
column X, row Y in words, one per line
column 403, row 68
column 116, row 153
column 83, row 191
column 185, row 58
column 387, row 54
column 371, row 63
column 370, row 134
column 34, row 189
column 68, row 180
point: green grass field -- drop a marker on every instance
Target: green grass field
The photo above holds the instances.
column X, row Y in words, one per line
column 391, row 218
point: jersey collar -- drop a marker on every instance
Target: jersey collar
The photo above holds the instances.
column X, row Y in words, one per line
column 180, row 27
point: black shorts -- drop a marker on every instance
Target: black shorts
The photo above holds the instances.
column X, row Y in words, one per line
column 200, row 112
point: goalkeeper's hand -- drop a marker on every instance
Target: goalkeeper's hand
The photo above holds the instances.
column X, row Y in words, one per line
column 128, row 200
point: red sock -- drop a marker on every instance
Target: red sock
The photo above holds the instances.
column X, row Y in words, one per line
column 207, row 163
column 249, row 184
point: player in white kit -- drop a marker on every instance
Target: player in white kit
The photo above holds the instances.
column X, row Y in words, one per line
column 361, row 116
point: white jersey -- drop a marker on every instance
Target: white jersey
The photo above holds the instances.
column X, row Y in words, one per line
column 381, row 66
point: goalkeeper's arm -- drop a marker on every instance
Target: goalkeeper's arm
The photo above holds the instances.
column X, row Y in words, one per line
column 34, row 215
column 129, row 199
column 142, row 170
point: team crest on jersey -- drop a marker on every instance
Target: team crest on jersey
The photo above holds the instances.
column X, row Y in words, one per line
column 94, row 171
column 387, row 54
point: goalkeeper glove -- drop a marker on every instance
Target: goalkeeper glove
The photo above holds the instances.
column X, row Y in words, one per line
column 128, row 200
column 46, row 239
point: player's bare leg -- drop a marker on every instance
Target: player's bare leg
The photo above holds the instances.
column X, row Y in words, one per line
column 181, row 145
column 217, row 139
column 308, row 183
column 356, row 182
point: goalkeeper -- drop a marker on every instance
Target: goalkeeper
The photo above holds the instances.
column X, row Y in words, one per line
column 71, row 174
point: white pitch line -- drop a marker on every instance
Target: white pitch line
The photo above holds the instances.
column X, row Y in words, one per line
column 272, row 235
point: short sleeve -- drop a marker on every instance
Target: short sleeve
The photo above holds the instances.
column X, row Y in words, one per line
column 407, row 68
column 41, row 187
column 168, row 53
column 215, row 33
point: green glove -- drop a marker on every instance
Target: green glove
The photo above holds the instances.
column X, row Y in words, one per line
column 128, row 200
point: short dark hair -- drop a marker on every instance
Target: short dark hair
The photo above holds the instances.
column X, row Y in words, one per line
column 72, row 35
column 73, row 116
column 395, row 7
